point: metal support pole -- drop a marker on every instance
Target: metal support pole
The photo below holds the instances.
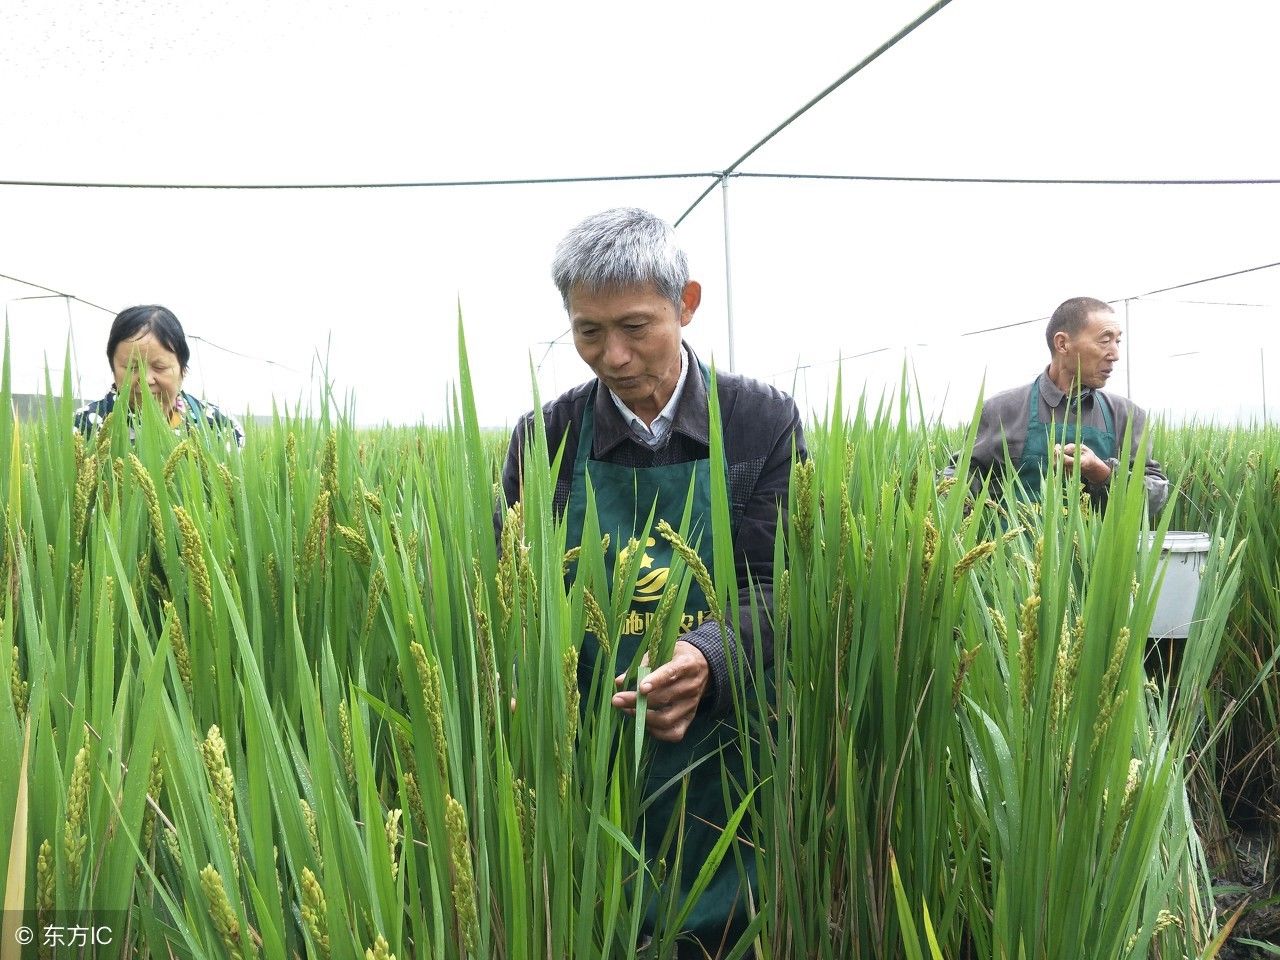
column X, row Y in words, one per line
column 1128, row 360
column 728, row 275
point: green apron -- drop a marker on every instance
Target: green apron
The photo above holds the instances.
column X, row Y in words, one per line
column 1034, row 464
column 624, row 496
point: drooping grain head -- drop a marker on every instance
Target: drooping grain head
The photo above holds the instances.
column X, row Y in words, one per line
column 223, row 784
column 221, row 912
column 155, row 785
column 142, row 477
column 194, row 559
column 178, row 640
column 74, row 840
column 1028, row 636
column 464, row 891
column 392, row 830
column 353, row 543
column 348, row 754
column 315, row 911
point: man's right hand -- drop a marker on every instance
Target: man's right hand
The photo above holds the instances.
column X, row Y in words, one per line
column 1091, row 467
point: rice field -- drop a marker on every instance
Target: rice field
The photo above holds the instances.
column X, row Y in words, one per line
column 297, row 700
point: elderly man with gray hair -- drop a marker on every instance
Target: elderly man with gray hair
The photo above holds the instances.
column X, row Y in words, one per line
column 640, row 433
column 1039, row 421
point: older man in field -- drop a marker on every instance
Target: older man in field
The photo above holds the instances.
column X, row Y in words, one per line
column 1036, row 422
column 640, row 432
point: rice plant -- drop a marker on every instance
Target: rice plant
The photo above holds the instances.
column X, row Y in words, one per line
column 304, row 700
column 1236, row 792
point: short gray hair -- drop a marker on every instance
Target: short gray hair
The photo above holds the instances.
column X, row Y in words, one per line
column 1072, row 315
column 623, row 247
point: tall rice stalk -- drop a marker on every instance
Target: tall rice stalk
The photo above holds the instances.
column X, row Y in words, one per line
column 1237, row 789
column 269, row 698
column 963, row 729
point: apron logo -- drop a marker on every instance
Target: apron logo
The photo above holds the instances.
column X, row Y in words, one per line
column 636, row 623
column 649, row 586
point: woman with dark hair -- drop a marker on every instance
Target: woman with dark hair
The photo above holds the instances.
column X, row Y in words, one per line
column 146, row 347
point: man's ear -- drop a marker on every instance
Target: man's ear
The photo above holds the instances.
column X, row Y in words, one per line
column 690, row 298
column 1060, row 341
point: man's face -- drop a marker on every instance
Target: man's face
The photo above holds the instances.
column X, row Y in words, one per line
column 145, row 361
column 630, row 338
column 1095, row 350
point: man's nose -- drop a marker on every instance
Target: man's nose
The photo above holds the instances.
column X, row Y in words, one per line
column 616, row 352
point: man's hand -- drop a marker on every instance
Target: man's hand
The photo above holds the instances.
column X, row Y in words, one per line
column 674, row 691
column 1073, row 457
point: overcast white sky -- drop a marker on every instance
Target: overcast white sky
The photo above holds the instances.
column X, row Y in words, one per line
column 325, row 91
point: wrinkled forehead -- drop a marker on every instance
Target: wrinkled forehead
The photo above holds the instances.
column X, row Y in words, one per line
column 144, row 345
column 1101, row 322
column 643, row 288
column 613, row 300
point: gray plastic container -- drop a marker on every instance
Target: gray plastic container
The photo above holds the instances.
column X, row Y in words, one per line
column 1182, row 556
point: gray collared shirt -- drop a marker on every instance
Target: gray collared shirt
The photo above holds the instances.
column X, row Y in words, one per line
column 1004, row 423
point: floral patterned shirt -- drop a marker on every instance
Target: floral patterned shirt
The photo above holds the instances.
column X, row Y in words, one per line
column 187, row 411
